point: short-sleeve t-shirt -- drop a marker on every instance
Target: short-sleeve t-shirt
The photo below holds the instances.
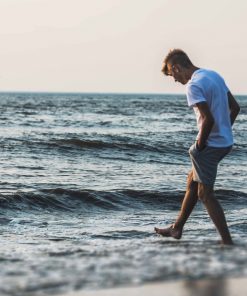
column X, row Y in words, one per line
column 208, row 86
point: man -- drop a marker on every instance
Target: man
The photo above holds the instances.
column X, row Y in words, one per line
column 216, row 110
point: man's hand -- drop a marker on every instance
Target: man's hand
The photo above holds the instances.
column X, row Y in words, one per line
column 199, row 148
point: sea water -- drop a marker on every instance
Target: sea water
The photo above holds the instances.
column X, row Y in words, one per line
column 86, row 177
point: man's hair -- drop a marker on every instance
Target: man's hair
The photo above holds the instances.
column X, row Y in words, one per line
column 176, row 56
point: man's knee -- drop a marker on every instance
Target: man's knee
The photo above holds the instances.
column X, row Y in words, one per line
column 205, row 192
column 191, row 184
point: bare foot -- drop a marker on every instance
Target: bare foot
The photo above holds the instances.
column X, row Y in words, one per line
column 169, row 232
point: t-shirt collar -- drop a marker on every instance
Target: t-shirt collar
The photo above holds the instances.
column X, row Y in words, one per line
column 196, row 71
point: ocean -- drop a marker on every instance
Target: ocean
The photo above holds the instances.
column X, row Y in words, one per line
column 85, row 178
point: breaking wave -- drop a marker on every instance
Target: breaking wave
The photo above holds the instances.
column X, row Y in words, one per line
column 88, row 200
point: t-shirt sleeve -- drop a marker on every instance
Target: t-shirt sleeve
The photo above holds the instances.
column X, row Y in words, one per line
column 194, row 95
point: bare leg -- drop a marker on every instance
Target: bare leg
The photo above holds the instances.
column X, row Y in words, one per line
column 189, row 201
column 215, row 211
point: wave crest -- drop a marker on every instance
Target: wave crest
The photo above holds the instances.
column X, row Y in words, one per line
column 60, row 199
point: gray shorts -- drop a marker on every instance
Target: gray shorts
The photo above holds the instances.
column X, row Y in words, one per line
column 205, row 163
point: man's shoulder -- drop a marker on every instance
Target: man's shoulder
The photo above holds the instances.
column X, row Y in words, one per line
column 202, row 73
column 207, row 74
column 202, row 78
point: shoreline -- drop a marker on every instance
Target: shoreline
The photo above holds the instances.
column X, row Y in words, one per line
column 204, row 287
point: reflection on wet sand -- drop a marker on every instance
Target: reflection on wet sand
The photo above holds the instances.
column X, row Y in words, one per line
column 216, row 287
column 207, row 287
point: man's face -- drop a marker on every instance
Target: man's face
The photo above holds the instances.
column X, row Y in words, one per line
column 178, row 73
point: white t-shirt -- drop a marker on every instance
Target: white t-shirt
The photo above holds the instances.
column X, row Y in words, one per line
column 208, row 86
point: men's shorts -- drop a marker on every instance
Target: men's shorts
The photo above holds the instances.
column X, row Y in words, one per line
column 205, row 163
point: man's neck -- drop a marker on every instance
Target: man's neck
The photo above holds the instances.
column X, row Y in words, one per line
column 190, row 72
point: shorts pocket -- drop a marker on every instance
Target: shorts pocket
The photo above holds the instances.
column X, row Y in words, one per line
column 194, row 150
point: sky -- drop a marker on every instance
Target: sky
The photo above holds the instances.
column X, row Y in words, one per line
column 118, row 45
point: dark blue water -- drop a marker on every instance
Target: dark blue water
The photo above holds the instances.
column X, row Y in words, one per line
column 86, row 177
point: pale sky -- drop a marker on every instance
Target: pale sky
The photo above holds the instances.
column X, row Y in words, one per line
column 118, row 45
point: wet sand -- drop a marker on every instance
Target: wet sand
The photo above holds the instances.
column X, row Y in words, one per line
column 213, row 287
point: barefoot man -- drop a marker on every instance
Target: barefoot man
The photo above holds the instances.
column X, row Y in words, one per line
column 216, row 110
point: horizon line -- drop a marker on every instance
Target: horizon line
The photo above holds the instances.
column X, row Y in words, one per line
column 96, row 92
column 86, row 92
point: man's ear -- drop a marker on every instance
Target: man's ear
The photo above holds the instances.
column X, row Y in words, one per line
column 176, row 68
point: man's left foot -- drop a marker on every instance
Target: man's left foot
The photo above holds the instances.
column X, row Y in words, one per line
column 169, row 232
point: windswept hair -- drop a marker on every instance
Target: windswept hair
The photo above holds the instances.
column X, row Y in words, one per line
column 176, row 56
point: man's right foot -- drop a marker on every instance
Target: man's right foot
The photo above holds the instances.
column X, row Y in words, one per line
column 169, row 232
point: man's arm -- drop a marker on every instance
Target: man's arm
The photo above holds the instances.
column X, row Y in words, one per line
column 234, row 107
column 207, row 124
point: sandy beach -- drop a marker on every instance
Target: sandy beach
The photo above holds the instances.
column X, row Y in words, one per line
column 213, row 287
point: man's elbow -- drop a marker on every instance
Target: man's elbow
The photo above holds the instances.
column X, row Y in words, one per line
column 237, row 109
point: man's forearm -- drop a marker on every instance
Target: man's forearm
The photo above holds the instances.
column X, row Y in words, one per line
column 207, row 124
column 206, row 128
